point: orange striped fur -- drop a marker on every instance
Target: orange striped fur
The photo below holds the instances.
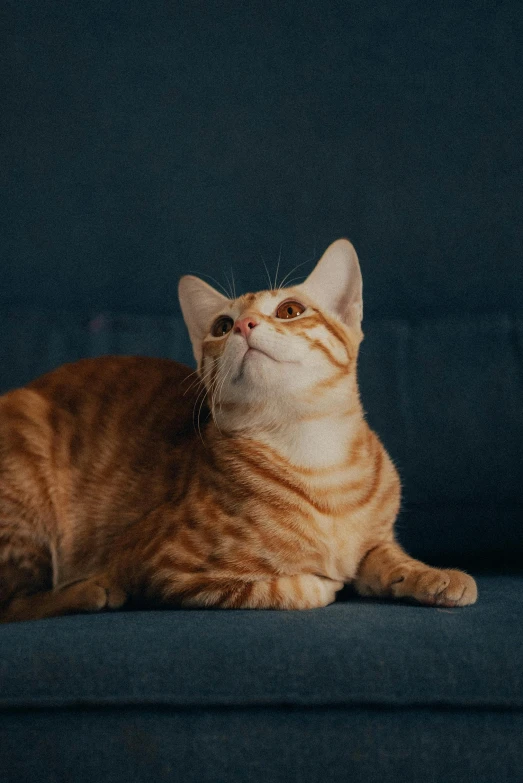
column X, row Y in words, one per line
column 253, row 483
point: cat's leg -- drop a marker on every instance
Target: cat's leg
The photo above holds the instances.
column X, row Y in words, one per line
column 85, row 595
column 25, row 563
column 301, row 591
column 388, row 571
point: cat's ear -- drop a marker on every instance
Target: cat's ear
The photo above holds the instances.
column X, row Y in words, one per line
column 336, row 285
column 200, row 304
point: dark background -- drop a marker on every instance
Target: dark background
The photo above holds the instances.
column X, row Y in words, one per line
column 144, row 140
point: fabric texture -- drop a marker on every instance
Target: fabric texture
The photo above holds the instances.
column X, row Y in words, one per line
column 361, row 690
column 352, row 653
column 257, row 745
column 143, row 142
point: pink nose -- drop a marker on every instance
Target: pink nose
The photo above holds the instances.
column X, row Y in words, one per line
column 245, row 325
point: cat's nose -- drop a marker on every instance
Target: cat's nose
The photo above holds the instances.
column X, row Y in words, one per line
column 245, row 325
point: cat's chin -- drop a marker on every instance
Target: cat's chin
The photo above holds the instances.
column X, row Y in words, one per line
column 254, row 352
column 252, row 362
column 249, row 368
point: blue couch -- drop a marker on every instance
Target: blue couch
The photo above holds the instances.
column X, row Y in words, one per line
column 144, row 141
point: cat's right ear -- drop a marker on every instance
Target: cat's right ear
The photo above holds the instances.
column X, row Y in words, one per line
column 200, row 304
column 335, row 283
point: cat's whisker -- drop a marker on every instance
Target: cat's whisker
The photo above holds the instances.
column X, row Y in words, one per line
column 220, row 390
column 229, row 284
column 199, row 379
column 233, row 284
column 204, row 379
column 216, row 389
column 223, row 383
column 195, row 384
column 292, row 272
column 267, row 273
column 207, row 393
column 199, row 386
column 202, row 373
column 203, row 396
column 194, row 372
column 200, row 397
column 290, row 282
column 277, row 269
column 213, row 411
column 194, row 380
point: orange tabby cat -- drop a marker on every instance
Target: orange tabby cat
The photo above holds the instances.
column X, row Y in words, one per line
column 109, row 491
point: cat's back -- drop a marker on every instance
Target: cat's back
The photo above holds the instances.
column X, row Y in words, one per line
column 119, row 382
column 112, row 402
column 107, row 371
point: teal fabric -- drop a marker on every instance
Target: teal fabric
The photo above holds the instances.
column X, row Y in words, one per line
column 355, row 652
column 361, row 690
column 261, row 744
column 146, row 140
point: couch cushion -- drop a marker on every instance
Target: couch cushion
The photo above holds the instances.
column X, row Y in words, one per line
column 352, row 653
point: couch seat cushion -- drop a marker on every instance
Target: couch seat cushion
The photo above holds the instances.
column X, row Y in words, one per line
column 354, row 652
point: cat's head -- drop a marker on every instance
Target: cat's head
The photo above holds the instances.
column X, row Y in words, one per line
column 286, row 352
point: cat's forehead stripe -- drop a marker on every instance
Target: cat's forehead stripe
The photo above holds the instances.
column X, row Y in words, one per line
column 262, row 301
column 247, row 299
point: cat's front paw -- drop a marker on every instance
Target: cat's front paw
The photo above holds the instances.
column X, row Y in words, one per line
column 433, row 586
column 91, row 595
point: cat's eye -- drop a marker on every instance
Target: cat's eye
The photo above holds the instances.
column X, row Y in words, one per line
column 290, row 309
column 221, row 326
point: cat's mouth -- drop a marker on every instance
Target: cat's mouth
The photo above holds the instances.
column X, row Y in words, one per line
column 253, row 354
column 250, row 354
column 251, row 351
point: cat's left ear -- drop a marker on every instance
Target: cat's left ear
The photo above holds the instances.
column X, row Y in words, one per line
column 336, row 285
column 200, row 304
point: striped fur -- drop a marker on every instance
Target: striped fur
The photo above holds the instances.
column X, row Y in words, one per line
column 253, row 483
